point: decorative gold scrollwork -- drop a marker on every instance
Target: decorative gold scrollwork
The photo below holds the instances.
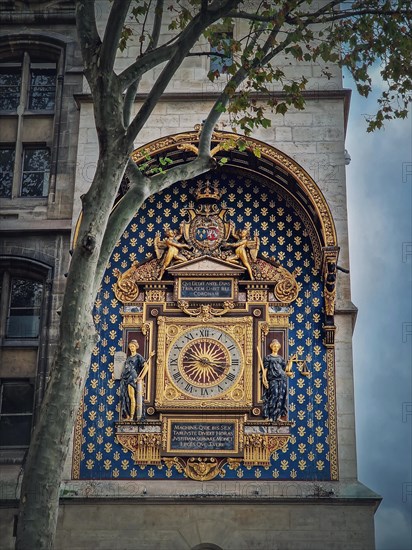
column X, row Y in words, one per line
column 226, row 143
column 155, row 296
column 174, row 463
column 170, row 393
column 257, row 295
column 287, row 290
column 264, row 327
column 259, row 448
column 197, row 468
column 125, row 288
column 205, row 312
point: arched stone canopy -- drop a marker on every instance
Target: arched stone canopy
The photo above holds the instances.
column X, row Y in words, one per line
column 272, row 166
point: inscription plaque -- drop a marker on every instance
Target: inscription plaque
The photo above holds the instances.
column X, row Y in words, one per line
column 206, row 288
column 202, row 436
column 211, row 437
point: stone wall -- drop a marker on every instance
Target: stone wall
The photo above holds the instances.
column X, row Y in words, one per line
column 347, row 525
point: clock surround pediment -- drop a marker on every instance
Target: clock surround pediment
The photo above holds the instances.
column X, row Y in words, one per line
column 206, row 266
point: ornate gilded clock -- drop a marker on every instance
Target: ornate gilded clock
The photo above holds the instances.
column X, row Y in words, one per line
column 204, row 362
column 207, row 308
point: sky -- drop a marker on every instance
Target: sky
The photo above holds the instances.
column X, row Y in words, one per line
column 379, row 194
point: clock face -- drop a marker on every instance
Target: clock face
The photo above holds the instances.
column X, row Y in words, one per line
column 204, row 362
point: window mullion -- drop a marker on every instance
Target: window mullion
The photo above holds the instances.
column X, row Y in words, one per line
column 4, row 303
column 18, row 158
column 25, row 82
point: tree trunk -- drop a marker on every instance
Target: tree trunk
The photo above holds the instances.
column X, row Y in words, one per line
column 39, row 501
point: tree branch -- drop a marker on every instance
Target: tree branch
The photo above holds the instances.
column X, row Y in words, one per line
column 132, row 89
column 163, row 53
column 354, row 13
column 145, row 63
column 255, row 17
column 217, row 109
column 157, row 25
column 141, row 188
column 314, row 14
column 200, row 165
column 186, row 41
column 89, row 38
column 129, row 102
column 112, row 34
column 233, row 84
column 121, row 215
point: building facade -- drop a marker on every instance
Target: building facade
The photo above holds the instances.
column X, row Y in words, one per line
column 206, row 277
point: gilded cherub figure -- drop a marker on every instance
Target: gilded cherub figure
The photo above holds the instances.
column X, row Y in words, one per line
column 168, row 249
column 244, row 246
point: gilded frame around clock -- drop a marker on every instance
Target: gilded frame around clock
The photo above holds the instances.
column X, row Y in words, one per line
column 238, row 398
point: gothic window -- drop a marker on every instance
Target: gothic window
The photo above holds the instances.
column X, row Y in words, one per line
column 24, row 303
column 10, row 83
column 36, row 171
column 24, row 311
column 16, row 413
column 29, row 84
column 27, row 115
column 42, row 89
column 7, row 155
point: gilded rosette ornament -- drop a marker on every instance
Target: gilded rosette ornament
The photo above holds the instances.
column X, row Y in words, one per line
column 286, row 288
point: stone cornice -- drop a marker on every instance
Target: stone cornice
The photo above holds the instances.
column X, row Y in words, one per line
column 35, row 226
column 310, row 95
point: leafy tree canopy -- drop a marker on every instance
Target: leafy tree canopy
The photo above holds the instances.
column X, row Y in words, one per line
column 358, row 35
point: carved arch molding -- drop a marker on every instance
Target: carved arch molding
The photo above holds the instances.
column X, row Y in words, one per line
column 274, row 167
column 277, row 171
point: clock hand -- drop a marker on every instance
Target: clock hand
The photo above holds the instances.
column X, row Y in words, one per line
column 214, row 365
column 199, row 359
column 207, row 362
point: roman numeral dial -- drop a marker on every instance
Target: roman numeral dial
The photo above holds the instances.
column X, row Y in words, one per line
column 204, row 362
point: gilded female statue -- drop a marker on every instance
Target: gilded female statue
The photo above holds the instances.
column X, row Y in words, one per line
column 131, row 383
column 274, row 380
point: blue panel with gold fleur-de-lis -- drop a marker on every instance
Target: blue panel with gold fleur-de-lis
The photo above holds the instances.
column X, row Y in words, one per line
column 286, row 235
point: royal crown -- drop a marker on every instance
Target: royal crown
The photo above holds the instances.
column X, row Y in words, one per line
column 207, row 190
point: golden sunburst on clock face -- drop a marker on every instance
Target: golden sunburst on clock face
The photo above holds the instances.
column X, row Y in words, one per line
column 204, row 362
